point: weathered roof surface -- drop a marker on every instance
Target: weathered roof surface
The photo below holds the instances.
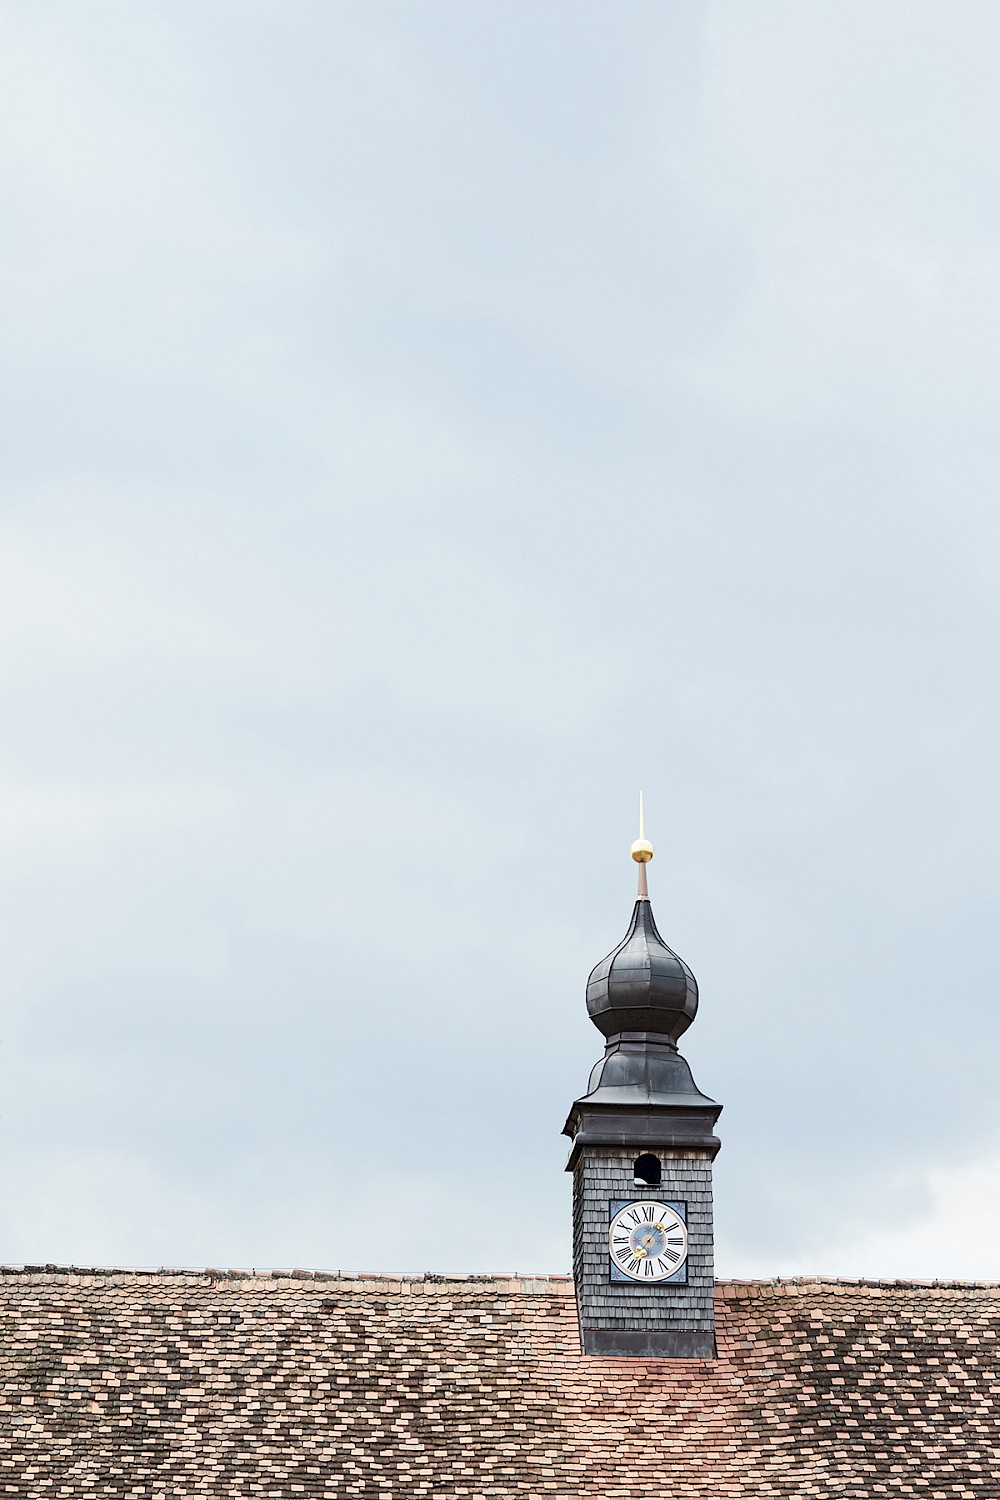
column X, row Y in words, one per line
column 208, row 1383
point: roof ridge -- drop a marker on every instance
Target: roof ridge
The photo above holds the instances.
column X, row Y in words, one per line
column 241, row 1274
column 727, row 1286
column 780, row 1283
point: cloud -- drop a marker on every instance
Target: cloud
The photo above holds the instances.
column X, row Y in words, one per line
column 942, row 1223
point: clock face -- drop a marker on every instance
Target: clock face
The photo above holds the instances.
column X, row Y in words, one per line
column 647, row 1241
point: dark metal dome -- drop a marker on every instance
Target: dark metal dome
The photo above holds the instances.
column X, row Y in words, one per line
column 642, row 997
column 642, row 986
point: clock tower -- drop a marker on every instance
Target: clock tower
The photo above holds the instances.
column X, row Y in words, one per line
column 643, row 1145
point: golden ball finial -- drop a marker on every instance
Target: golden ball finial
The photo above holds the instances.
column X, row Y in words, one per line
column 641, row 851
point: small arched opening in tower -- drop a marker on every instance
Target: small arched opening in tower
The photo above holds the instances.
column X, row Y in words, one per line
column 647, row 1171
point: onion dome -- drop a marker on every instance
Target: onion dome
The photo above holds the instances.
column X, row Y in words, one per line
column 643, row 985
column 642, row 997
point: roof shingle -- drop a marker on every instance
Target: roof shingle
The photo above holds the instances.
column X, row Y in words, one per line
column 185, row 1384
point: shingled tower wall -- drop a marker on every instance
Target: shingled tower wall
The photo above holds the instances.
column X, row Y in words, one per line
column 623, row 1317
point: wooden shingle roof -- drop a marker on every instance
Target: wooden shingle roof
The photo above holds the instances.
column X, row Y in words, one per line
column 181, row 1384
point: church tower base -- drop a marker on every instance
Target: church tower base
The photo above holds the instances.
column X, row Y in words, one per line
column 675, row 1319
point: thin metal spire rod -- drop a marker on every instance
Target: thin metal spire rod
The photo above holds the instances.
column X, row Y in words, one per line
column 642, row 852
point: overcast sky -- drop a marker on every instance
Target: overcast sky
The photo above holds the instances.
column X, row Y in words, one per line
column 424, row 424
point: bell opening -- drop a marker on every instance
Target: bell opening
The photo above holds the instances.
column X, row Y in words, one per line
column 647, row 1170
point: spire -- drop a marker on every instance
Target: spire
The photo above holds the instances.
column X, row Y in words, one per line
column 642, row 985
column 642, row 853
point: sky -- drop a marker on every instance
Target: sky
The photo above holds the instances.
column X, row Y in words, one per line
column 423, row 425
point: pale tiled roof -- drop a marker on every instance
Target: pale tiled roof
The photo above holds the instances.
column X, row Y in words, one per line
column 181, row 1384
